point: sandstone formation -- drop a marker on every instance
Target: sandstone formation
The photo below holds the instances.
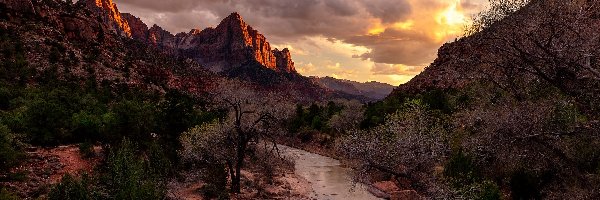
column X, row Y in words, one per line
column 233, row 43
column 139, row 30
column 284, row 60
column 110, row 15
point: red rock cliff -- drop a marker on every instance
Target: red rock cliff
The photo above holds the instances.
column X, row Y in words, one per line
column 110, row 14
column 139, row 30
column 231, row 44
column 284, row 60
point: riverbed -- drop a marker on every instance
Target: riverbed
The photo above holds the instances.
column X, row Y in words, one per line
column 329, row 180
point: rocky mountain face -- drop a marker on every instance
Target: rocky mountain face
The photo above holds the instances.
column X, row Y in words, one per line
column 25, row 6
column 108, row 12
column 93, row 40
column 372, row 90
column 77, row 44
column 96, row 28
column 231, row 44
column 138, row 29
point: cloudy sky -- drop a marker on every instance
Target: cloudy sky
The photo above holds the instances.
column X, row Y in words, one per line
column 364, row 40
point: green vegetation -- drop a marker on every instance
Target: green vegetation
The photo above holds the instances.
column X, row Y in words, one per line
column 10, row 151
column 129, row 177
column 7, row 195
column 446, row 102
column 314, row 117
column 70, row 188
column 127, row 174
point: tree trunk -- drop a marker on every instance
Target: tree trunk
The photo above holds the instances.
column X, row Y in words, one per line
column 241, row 153
column 235, row 184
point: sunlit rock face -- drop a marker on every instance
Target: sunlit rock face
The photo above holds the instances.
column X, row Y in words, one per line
column 233, row 43
column 139, row 30
column 110, row 15
column 284, row 60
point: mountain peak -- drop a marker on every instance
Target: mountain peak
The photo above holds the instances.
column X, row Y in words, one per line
column 110, row 15
column 233, row 43
column 235, row 15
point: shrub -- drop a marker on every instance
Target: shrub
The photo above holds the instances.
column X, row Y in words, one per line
column 490, row 191
column 127, row 176
column 86, row 150
column 216, row 182
column 159, row 164
column 135, row 119
column 10, row 152
column 307, row 135
column 7, row 195
column 72, row 189
column 460, row 169
column 45, row 122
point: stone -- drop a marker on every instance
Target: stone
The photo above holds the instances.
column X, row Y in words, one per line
column 139, row 30
column 110, row 15
column 406, row 195
column 386, row 186
column 284, row 60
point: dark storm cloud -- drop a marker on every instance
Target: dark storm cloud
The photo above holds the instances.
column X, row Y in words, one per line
column 278, row 18
column 388, row 11
column 396, row 47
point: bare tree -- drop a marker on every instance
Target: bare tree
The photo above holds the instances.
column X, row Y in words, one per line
column 408, row 145
column 251, row 118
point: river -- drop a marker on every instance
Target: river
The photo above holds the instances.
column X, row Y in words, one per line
column 328, row 179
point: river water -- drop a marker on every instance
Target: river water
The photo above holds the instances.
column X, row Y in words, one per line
column 328, row 179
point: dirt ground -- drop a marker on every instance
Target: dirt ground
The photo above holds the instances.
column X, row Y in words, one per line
column 46, row 166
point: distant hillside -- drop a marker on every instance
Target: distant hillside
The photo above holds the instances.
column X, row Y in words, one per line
column 372, row 90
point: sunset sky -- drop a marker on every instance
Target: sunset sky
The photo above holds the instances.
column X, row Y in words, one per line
column 364, row 40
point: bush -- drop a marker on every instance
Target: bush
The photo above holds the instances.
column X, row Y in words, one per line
column 490, row 191
column 307, row 135
column 10, row 152
column 128, row 177
column 45, row 122
column 159, row 164
column 7, row 195
column 135, row 119
column 216, row 182
column 72, row 189
column 86, row 150
column 460, row 169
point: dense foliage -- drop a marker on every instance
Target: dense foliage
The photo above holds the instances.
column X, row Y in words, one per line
column 128, row 174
